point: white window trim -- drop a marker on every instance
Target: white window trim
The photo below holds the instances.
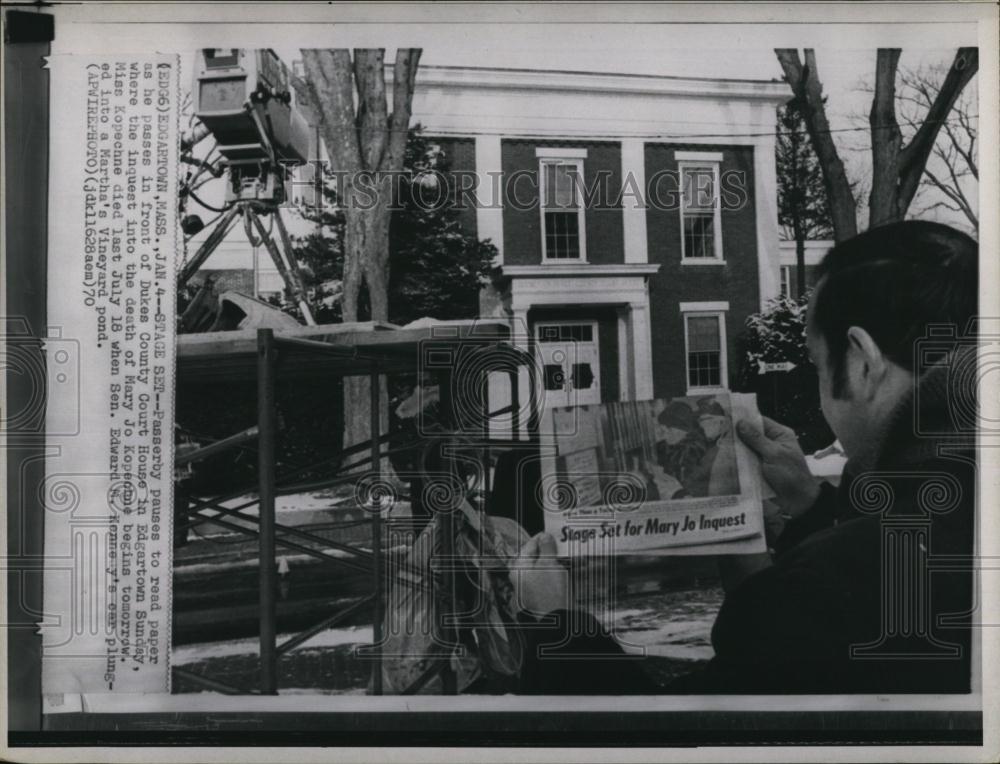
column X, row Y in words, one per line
column 713, row 164
column 567, row 322
column 698, row 156
column 560, row 153
column 712, row 306
column 568, row 157
column 785, row 276
column 720, row 314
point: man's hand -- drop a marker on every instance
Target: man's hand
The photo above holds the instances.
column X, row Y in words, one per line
column 783, row 465
column 541, row 584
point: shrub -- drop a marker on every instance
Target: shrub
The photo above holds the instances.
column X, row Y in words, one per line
column 775, row 335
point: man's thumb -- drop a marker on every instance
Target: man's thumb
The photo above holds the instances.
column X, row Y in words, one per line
column 754, row 437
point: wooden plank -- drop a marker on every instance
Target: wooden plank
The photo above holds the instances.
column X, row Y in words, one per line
column 362, row 336
column 220, row 356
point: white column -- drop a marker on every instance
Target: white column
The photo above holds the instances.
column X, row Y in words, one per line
column 642, row 351
column 633, row 200
column 489, row 225
column 766, row 204
column 489, row 197
column 625, row 354
column 519, row 338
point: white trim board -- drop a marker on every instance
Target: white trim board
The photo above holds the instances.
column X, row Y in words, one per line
column 562, row 270
column 690, row 307
column 698, row 156
column 548, row 152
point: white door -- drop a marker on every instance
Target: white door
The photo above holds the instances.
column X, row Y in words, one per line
column 570, row 362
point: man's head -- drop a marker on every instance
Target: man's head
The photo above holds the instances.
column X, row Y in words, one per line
column 876, row 296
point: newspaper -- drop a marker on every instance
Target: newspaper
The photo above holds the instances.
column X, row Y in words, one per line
column 653, row 477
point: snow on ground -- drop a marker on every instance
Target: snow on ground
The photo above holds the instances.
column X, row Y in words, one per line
column 286, row 505
column 188, row 654
column 674, row 625
column 681, row 641
column 293, row 503
column 290, row 559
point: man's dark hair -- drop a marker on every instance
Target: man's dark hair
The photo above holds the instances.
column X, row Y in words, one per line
column 894, row 281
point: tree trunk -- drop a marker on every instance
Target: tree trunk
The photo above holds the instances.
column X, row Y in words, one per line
column 883, row 202
column 371, row 235
column 805, row 85
column 800, row 257
column 363, row 140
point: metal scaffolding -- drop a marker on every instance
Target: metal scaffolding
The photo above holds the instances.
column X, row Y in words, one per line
column 340, row 351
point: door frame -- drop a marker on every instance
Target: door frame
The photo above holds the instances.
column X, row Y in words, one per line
column 594, row 324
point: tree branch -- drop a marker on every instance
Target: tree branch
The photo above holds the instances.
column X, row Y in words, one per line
column 369, row 77
column 956, row 194
column 331, row 94
column 914, row 156
column 404, row 78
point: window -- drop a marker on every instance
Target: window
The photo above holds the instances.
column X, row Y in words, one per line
column 786, row 281
column 560, row 189
column 566, row 333
column 701, row 222
column 705, row 347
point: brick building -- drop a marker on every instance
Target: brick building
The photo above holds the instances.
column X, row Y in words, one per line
column 649, row 232
column 634, row 216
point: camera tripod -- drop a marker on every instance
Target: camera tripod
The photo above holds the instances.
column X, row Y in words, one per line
column 250, row 211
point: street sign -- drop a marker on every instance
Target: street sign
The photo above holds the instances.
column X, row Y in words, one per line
column 765, row 368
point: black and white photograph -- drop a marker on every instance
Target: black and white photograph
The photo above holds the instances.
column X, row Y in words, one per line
column 528, row 379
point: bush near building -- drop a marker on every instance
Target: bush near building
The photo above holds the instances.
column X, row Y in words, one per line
column 778, row 335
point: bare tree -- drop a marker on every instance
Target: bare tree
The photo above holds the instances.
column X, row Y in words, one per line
column 896, row 169
column 366, row 145
column 952, row 173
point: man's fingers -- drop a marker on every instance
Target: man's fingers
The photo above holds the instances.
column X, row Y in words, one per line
column 775, row 430
column 753, row 437
column 546, row 545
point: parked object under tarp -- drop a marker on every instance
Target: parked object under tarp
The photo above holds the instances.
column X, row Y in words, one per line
column 230, row 311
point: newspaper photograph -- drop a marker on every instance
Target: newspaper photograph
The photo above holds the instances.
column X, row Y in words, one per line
column 390, row 378
column 646, row 475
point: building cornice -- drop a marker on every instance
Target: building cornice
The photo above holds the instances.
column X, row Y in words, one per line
column 598, row 82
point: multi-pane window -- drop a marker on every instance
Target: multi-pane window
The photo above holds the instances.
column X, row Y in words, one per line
column 700, row 210
column 705, row 343
column 562, row 212
column 786, row 281
column 566, row 333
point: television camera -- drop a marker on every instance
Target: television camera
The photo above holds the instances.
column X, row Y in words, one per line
column 245, row 100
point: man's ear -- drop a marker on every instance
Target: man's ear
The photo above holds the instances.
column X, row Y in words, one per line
column 870, row 364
